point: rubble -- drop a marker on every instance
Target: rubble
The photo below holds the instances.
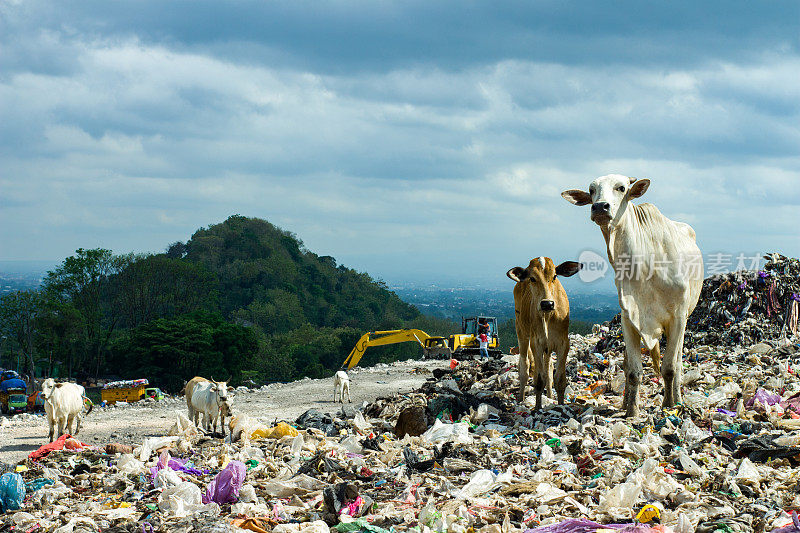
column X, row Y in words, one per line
column 459, row 455
column 739, row 308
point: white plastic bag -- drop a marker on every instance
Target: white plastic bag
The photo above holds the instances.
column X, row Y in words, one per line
column 361, row 423
column 317, row 526
column 690, row 466
column 167, row 478
column 458, row 433
column 351, row 444
column 182, row 500
column 183, row 427
column 247, row 494
column 619, row 430
column 128, row 464
column 748, row 473
column 480, row 482
column 152, row 444
column 622, row 496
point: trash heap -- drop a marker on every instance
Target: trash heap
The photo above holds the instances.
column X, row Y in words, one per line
column 738, row 308
column 459, row 455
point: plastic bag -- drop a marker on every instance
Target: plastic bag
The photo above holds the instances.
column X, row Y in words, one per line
column 128, row 464
column 765, row 397
column 361, row 423
column 224, row 488
column 181, row 500
column 355, row 526
column 317, row 526
column 480, row 482
column 183, row 427
column 70, row 526
column 458, row 433
column 748, row 473
column 689, row 465
column 166, row 478
column 152, row 444
column 483, row 413
column 623, row 496
column 12, row 492
column 300, row 485
column 247, row 494
column 547, row 455
column 281, row 430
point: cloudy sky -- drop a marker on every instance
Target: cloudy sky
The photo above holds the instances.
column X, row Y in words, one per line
column 415, row 140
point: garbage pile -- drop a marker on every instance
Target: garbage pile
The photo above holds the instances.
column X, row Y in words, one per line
column 738, row 308
column 457, row 455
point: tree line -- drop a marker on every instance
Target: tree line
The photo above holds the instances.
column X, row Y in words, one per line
column 242, row 299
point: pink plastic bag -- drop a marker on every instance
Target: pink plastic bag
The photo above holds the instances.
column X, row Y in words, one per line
column 224, row 488
column 765, row 397
column 581, row 525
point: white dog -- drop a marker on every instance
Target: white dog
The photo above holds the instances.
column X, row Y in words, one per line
column 341, row 386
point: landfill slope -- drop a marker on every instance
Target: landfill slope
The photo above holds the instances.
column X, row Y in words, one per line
column 130, row 423
column 738, row 308
column 431, row 447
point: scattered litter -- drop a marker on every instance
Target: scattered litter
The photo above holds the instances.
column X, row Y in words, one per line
column 460, row 455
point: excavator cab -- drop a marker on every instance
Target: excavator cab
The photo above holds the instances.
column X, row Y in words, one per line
column 466, row 344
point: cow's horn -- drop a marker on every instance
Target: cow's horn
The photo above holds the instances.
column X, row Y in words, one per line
column 229, row 379
column 212, row 379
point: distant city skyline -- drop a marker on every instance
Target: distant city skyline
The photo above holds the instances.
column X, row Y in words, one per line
column 416, row 141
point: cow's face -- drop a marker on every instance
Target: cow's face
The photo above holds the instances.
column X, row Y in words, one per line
column 221, row 390
column 48, row 386
column 608, row 196
column 541, row 279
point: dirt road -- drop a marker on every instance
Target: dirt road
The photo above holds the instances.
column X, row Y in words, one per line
column 129, row 424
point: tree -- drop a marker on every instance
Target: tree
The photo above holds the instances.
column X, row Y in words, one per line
column 155, row 286
column 172, row 351
column 83, row 281
column 20, row 314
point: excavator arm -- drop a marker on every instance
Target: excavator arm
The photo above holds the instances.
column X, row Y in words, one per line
column 394, row 336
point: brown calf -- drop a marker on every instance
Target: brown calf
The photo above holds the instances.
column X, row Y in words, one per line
column 541, row 310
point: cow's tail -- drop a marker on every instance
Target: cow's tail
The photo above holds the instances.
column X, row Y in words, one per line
column 91, row 404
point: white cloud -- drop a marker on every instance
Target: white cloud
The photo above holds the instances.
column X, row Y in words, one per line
column 141, row 143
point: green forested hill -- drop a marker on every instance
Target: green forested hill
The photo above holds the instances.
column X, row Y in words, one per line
column 268, row 279
column 241, row 299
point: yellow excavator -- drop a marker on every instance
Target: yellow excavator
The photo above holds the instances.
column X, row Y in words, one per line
column 458, row 345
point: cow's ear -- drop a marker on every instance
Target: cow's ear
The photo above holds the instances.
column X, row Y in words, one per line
column 518, row 274
column 59, row 385
column 638, row 188
column 577, row 197
column 568, row 268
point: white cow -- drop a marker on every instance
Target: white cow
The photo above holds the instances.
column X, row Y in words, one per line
column 63, row 403
column 341, row 386
column 659, row 274
column 210, row 398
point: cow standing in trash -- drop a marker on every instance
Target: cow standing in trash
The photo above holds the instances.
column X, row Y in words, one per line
column 341, row 385
column 209, row 398
column 659, row 275
column 63, row 403
column 541, row 310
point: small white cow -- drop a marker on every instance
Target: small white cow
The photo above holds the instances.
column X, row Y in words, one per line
column 341, row 386
column 63, row 403
column 209, row 398
column 659, row 275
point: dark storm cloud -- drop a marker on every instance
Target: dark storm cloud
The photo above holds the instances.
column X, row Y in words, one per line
column 338, row 37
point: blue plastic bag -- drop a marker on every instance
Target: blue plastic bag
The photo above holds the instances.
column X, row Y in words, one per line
column 12, row 492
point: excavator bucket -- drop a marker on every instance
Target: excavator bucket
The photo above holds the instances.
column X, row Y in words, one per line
column 436, row 352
